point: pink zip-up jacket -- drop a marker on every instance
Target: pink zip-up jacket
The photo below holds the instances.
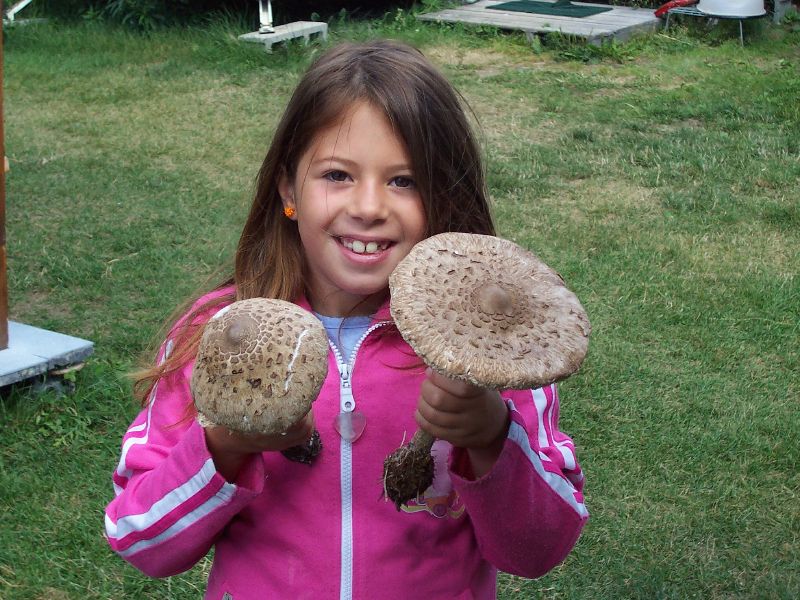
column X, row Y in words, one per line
column 290, row 530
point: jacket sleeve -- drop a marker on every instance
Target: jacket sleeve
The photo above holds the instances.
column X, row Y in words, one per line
column 171, row 503
column 528, row 511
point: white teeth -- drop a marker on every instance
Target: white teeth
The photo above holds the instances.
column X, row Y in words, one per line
column 360, row 247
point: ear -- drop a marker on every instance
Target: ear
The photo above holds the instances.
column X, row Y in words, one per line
column 286, row 191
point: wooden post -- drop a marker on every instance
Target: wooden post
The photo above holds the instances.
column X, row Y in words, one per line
column 3, row 278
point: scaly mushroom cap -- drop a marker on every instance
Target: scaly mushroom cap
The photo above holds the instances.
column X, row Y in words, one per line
column 260, row 365
column 484, row 310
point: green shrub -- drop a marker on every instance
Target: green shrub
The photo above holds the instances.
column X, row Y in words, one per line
column 143, row 14
column 149, row 14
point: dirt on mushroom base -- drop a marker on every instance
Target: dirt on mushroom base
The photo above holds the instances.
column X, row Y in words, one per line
column 408, row 471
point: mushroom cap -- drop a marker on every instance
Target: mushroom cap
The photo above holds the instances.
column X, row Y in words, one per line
column 484, row 310
column 260, row 364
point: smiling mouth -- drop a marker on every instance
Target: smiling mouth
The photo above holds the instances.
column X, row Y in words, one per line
column 361, row 247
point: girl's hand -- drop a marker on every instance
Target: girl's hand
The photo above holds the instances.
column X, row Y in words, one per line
column 230, row 449
column 465, row 415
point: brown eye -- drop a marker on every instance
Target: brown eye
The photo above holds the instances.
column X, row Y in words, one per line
column 337, row 176
column 403, row 182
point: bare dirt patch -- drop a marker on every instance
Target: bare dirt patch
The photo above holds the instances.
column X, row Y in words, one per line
column 26, row 307
column 450, row 56
column 750, row 251
column 608, row 201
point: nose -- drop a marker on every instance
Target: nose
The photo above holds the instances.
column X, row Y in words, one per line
column 369, row 202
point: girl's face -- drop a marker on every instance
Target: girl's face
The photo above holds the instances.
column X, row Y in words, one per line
column 358, row 211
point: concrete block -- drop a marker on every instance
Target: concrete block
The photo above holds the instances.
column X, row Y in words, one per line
column 303, row 29
column 32, row 351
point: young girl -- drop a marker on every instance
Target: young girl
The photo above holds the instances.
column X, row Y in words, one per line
column 373, row 154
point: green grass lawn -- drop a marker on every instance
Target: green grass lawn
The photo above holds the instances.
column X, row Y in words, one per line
column 661, row 178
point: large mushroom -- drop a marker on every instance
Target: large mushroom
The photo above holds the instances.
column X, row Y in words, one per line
column 260, row 364
column 480, row 309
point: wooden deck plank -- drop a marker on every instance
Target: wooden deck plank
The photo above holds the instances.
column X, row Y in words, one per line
column 617, row 14
column 618, row 23
column 579, row 29
column 507, row 21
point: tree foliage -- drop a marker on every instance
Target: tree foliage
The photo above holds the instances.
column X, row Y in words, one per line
column 150, row 14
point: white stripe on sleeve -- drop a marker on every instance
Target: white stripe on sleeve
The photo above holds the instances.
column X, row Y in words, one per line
column 540, row 401
column 558, row 484
column 122, row 467
column 222, row 497
column 169, row 502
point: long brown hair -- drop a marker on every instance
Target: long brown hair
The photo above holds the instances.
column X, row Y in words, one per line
column 423, row 109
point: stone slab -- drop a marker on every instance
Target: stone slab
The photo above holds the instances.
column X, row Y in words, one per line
column 617, row 24
column 32, row 351
column 303, row 29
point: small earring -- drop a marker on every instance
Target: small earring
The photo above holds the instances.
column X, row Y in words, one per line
column 289, row 211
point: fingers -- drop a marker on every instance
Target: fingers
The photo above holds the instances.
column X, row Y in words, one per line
column 454, row 428
column 434, row 427
column 428, row 414
column 463, row 414
column 441, row 413
column 455, row 387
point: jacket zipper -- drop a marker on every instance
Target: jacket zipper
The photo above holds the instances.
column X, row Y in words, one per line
column 347, row 403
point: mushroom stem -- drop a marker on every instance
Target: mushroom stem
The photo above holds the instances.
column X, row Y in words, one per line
column 422, row 439
column 408, row 471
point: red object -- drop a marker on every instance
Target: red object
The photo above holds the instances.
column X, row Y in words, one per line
column 664, row 8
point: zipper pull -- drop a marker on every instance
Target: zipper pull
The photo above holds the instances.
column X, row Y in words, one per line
column 349, row 422
column 346, row 399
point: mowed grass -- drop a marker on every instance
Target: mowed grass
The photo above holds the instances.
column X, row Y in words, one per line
column 661, row 179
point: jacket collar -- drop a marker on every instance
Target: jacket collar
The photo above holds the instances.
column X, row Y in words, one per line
column 382, row 314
